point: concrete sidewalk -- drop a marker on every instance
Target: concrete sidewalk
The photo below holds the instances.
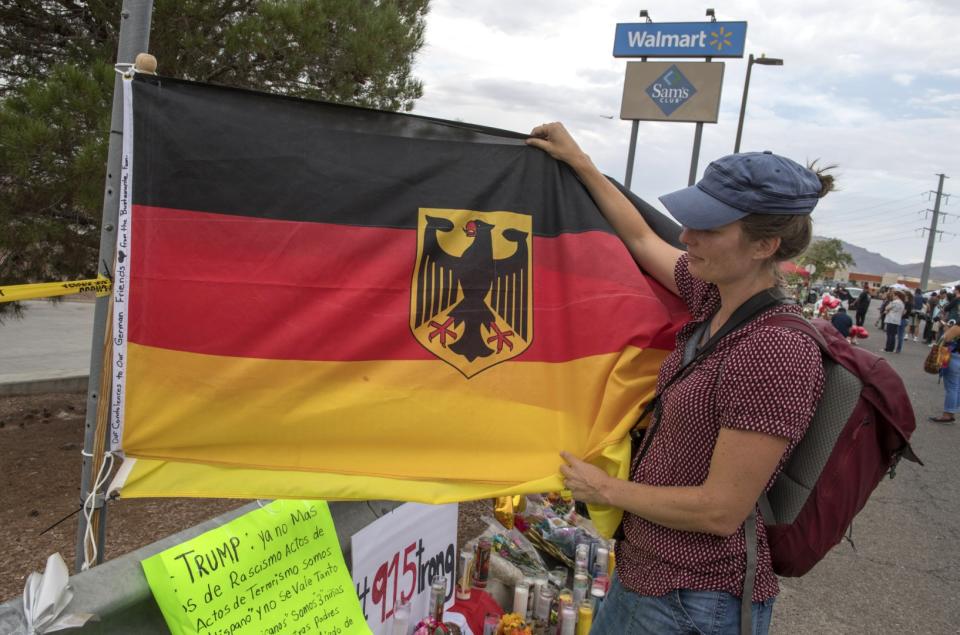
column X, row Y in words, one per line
column 48, row 350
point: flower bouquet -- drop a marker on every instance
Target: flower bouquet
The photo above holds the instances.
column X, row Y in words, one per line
column 513, row 624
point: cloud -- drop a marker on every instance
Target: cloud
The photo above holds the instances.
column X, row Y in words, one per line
column 873, row 86
column 509, row 17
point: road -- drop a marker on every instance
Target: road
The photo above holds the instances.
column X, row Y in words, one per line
column 53, row 338
column 903, row 576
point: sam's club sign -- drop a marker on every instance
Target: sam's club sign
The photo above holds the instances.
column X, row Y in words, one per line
column 680, row 39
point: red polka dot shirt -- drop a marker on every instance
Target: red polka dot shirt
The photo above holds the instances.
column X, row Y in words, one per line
column 762, row 378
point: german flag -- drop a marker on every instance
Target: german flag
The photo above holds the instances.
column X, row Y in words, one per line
column 327, row 301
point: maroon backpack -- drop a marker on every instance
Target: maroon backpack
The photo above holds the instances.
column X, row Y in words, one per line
column 858, row 434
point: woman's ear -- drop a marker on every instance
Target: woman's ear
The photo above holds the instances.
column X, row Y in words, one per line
column 765, row 248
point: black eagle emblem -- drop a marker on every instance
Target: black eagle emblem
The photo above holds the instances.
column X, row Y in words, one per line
column 476, row 287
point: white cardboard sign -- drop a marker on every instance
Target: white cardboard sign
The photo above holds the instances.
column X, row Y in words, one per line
column 396, row 556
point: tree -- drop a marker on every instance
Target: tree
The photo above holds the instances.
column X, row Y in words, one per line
column 348, row 51
column 56, row 85
column 827, row 255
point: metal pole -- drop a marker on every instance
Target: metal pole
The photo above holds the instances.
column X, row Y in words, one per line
column 134, row 38
column 631, row 153
column 695, row 159
column 928, row 258
column 743, row 104
column 697, row 136
column 634, row 127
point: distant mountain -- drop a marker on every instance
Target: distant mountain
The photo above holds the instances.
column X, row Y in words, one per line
column 871, row 262
column 943, row 274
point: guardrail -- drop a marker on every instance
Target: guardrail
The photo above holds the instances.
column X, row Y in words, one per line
column 116, row 591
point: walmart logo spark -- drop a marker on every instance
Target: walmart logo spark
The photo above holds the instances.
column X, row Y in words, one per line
column 720, row 38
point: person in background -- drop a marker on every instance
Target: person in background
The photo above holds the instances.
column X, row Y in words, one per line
column 916, row 315
column 842, row 322
column 941, row 315
column 862, row 303
column 907, row 300
column 951, row 377
column 891, row 320
column 725, row 430
column 952, row 308
column 841, row 293
column 885, row 295
column 930, row 312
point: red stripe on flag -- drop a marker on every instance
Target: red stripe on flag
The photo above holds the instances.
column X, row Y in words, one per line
column 248, row 287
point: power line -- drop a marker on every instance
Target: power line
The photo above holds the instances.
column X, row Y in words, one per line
column 888, row 240
column 896, row 200
column 906, row 217
column 904, row 234
column 872, row 213
column 900, row 227
column 940, row 233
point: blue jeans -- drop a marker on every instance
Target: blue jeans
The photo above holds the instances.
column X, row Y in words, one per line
column 900, row 332
column 688, row 612
column 891, row 330
column 951, row 383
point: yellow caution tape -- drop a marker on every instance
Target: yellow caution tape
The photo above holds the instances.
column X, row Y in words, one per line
column 100, row 285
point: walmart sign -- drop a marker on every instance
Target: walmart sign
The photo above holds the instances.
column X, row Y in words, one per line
column 680, row 39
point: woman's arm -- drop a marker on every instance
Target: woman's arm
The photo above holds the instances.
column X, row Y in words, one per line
column 740, row 468
column 952, row 333
column 652, row 253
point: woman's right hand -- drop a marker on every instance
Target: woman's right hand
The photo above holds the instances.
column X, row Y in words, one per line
column 554, row 139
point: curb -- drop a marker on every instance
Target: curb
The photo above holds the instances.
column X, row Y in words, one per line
column 43, row 382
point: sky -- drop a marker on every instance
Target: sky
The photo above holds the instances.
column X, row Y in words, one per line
column 873, row 87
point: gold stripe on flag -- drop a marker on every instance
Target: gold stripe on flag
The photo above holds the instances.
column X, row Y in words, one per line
column 370, row 418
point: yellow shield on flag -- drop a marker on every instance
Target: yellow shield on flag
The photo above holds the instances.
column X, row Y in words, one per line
column 471, row 297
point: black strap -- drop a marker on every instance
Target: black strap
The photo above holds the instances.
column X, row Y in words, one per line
column 750, row 577
column 750, row 309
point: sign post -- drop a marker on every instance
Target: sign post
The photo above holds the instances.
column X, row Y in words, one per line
column 683, row 91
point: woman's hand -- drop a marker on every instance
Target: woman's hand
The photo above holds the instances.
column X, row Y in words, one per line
column 952, row 333
column 554, row 139
column 587, row 483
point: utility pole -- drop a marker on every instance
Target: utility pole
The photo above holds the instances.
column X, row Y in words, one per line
column 928, row 258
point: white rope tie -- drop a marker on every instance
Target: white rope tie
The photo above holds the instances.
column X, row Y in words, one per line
column 125, row 69
column 89, row 540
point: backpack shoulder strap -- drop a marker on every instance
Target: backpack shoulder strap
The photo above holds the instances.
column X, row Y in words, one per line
column 750, row 309
column 799, row 323
column 796, row 323
column 750, row 577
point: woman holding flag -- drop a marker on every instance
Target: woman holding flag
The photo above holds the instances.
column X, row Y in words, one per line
column 727, row 425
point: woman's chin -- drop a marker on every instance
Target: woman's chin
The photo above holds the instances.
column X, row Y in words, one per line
column 697, row 268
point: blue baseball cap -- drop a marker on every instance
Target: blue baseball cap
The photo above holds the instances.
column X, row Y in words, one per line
column 747, row 183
